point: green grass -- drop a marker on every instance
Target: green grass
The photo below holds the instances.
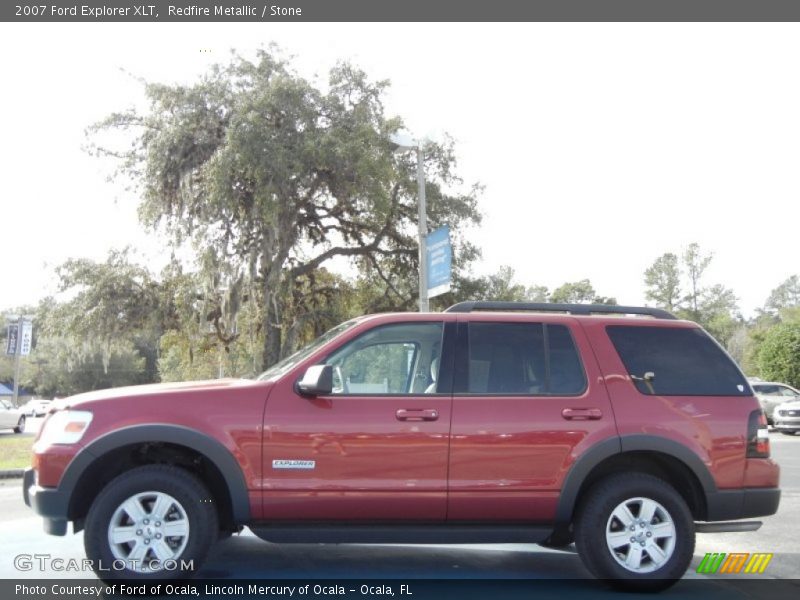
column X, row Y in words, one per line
column 15, row 451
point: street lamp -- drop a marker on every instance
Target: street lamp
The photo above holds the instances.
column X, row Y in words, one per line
column 402, row 143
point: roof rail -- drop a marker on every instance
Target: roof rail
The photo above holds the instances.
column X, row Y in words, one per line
column 573, row 309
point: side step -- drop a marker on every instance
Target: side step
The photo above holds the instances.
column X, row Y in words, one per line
column 737, row 526
column 399, row 534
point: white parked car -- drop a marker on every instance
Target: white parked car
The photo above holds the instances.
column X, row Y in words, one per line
column 11, row 417
column 787, row 417
column 772, row 393
column 36, row 407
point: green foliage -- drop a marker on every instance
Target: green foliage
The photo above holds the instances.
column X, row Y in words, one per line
column 785, row 296
column 270, row 177
column 779, row 356
column 662, row 279
column 696, row 263
column 113, row 303
column 714, row 307
column 579, row 292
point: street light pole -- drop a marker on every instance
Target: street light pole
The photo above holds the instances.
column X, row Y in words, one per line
column 402, row 143
column 423, row 232
column 17, row 361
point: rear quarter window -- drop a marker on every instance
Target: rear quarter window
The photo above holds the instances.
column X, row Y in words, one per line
column 672, row 361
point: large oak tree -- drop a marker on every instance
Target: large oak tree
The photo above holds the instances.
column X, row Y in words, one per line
column 270, row 176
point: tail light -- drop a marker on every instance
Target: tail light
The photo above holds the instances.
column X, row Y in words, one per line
column 757, row 435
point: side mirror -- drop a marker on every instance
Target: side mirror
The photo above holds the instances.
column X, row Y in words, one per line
column 316, row 381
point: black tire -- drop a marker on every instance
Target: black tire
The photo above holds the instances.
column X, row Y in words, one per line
column 193, row 507
column 594, row 517
column 20, row 428
column 783, row 432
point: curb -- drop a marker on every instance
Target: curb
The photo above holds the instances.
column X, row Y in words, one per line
column 11, row 473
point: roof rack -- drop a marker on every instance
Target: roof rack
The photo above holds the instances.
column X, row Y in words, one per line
column 573, row 309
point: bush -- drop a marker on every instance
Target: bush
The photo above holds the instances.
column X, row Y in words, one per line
column 779, row 357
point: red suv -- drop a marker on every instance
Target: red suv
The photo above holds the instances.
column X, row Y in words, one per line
column 619, row 428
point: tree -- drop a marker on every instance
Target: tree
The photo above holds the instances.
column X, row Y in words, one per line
column 786, row 295
column 579, row 292
column 779, row 356
column 272, row 177
column 663, row 280
column 718, row 312
column 696, row 263
column 502, row 287
column 114, row 303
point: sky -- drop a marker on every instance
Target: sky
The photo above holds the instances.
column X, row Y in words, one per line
column 600, row 146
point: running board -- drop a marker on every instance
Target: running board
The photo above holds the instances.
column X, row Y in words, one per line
column 400, row 534
column 737, row 526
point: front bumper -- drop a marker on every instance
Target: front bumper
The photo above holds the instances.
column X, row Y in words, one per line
column 49, row 503
column 786, row 423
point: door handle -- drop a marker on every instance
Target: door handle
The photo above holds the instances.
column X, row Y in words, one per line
column 417, row 414
column 582, row 414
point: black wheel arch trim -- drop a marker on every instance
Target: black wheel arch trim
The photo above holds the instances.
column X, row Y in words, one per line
column 620, row 445
column 200, row 442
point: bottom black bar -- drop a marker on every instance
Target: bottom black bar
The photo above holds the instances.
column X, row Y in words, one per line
column 700, row 588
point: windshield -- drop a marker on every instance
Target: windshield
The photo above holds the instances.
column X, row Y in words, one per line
column 281, row 367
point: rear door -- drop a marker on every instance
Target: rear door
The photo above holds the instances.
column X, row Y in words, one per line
column 528, row 399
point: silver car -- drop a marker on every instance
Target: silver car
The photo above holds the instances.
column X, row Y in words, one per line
column 787, row 417
column 772, row 393
column 11, row 417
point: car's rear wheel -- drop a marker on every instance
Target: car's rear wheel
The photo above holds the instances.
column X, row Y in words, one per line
column 20, row 428
column 788, row 432
column 635, row 531
column 152, row 522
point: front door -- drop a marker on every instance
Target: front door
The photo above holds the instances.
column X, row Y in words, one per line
column 374, row 449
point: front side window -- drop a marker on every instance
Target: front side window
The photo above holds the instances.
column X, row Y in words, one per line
column 391, row 359
column 531, row 359
column 291, row 361
column 672, row 361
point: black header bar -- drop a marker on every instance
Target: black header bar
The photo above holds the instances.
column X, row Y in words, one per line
column 400, row 10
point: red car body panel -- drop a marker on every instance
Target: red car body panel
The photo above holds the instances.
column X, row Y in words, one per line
column 229, row 411
column 509, row 455
column 713, row 427
column 368, row 464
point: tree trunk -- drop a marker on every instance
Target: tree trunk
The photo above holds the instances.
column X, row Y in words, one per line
column 272, row 330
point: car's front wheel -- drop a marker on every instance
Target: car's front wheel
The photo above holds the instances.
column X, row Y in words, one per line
column 152, row 522
column 20, row 428
column 635, row 531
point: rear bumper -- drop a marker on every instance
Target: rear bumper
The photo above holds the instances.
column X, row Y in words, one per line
column 49, row 503
column 744, row 503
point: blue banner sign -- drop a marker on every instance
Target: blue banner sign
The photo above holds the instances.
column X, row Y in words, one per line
column 440, row 258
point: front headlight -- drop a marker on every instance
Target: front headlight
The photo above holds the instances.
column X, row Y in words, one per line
column 65, row 427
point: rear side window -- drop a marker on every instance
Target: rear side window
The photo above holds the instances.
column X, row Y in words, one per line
column 523, row 359
column 671, row 361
